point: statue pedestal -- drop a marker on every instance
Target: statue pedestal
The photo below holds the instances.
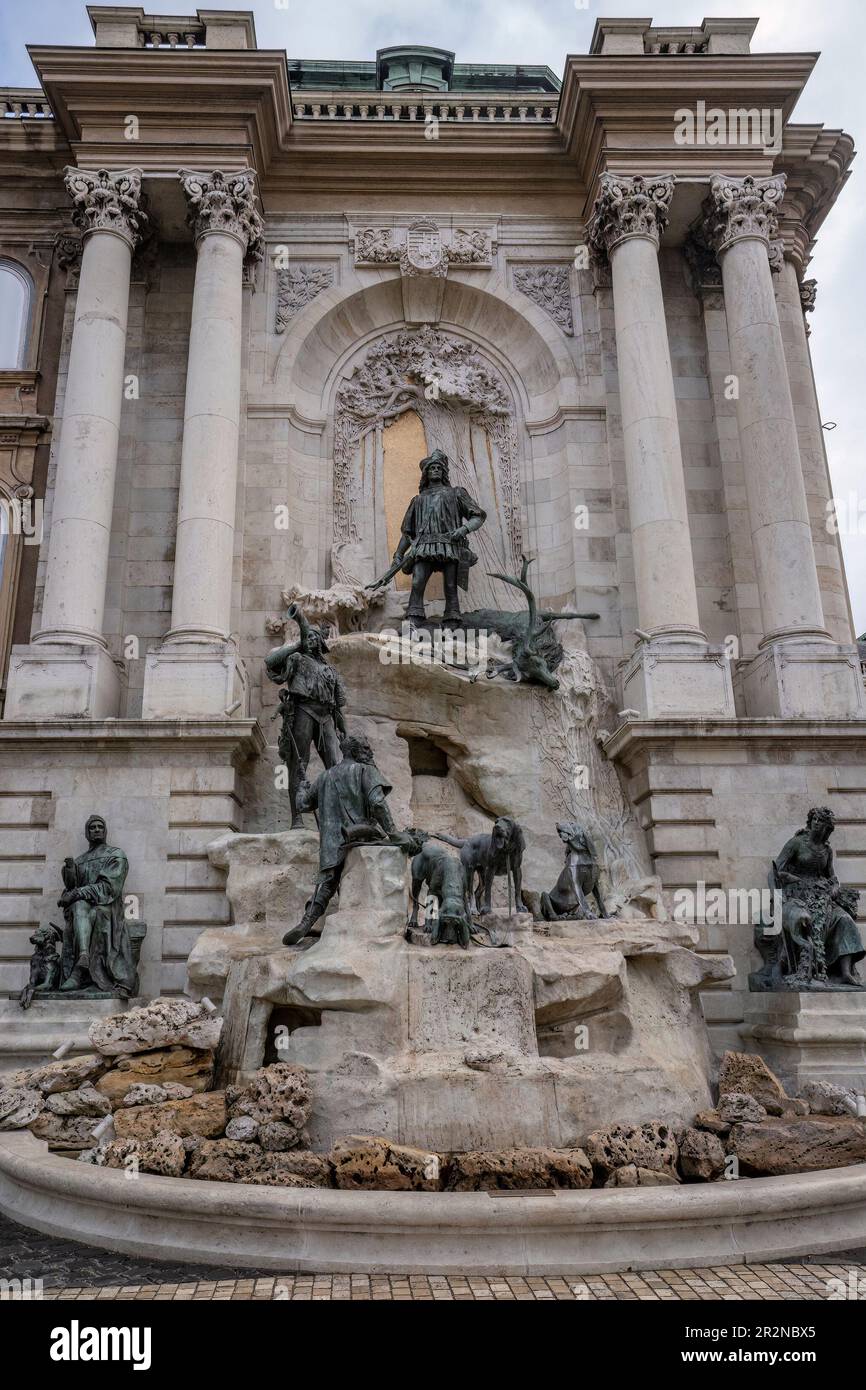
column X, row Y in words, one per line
column 30, row 1036
column 810, row 1036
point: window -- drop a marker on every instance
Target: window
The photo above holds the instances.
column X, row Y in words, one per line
column 16, row 294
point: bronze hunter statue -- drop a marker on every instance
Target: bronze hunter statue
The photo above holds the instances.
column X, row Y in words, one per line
column 433, row 539
column 311, row 704
column 349, row 799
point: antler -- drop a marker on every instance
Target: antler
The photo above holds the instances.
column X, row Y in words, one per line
column 524, row 588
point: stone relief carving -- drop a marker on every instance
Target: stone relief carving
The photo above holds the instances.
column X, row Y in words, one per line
column 375, row 246
column 745, row 207
column 471, row 247
column 705, row 272
column 548, row 286
column 422, row 251
column 68, row 250
column 224, row 203
column 393, row 377
column 627, row 207
column 107, row 201
column 296, row 287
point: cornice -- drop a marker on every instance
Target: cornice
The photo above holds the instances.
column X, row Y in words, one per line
column 817, row 163
column 636, row 737
column 617, row 113
column 230, row 107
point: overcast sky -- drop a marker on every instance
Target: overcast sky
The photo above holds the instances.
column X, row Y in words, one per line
column 544, row 31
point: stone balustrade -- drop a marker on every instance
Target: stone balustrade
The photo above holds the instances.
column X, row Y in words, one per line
column 360, row 108
column 24, row 103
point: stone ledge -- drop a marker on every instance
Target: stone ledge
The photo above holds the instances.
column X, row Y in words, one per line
column 635, row 733
column 27, row 733
column 315, row 1229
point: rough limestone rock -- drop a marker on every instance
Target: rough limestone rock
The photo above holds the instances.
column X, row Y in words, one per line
column 298, row 1169
column 164, row 1023
column 631, row 1175
column 163, row 1067
column 369, row 1160
column 711, row 1120
column 66, row 1131
column 86, row 1100
column 651, row 1146
column 162, row 1153
column 204, row 1115
column 278, row 1092
column 65, row 1075
column 276, row 1136
column 737, row 1107
column 798, row 1145
column 141, row 1093
column 19, row 1106
column 747, row 1074
column 517, row 1170
column 823, row 1098
column 244, row 1128
column 225, row 1160
column 702, row 1155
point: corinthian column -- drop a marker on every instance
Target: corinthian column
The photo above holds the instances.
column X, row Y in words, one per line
column 67, row 671
column 672, row 671
column 197, row 670
column 799, row 671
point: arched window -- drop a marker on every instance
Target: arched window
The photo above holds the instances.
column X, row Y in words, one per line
column 16, row 297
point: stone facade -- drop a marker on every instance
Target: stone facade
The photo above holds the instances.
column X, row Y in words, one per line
column 220, row 341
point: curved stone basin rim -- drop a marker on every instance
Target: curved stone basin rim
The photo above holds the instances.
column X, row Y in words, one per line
column 326, row 1231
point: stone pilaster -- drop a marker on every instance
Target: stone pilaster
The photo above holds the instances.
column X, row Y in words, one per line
column 197, row 670
column 67, row 670
column 798, row 670
column 672, row 670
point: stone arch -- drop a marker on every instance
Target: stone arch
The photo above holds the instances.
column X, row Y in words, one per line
column 519, row 344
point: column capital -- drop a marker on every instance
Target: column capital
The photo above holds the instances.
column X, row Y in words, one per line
column 629, row 206
column 221, row 202
column 741, row 209
column 107, row 200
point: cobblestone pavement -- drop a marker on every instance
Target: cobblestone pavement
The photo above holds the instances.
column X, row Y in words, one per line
column 766, row 1283
column 72, row 1271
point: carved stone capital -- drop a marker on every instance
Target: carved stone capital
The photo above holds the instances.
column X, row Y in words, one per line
column 629, row 207
column 221, row 202
column 808, row 295
column 107, row 200
column 740, row 209
column 704, row 270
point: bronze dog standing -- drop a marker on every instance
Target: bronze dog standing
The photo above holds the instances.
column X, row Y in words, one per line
column 485, row 857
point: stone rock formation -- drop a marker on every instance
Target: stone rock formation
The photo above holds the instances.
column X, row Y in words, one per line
column 517, row 1170
column 164, row 1023
column 204, row 1115
column 652, row 1146
column 801, row 1144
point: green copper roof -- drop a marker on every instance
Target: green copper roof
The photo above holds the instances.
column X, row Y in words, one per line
column 414, row 68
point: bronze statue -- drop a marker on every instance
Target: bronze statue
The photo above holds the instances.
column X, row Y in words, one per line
column 535, row 650
column 98, row 953
column 816, row 944
column 433, row 539
column 311, row 704
column 498, row 854
column 444, row 877
column 350, row 800
column 44, row 963
column 569, row 898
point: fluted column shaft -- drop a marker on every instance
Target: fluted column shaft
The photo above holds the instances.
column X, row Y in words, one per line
column 107, row 210
column 629, row 216
column 226, row 223
column 740, row 223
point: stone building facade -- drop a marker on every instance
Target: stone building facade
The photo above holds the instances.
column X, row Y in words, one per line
column 257, row 290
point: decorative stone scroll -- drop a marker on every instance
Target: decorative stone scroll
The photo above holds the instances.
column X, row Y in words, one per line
column 107, row 201
column 629, row 207
column 221, row 202
column 395, row 376
column 296, row 287
column 548, row 286
column 742, row 208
